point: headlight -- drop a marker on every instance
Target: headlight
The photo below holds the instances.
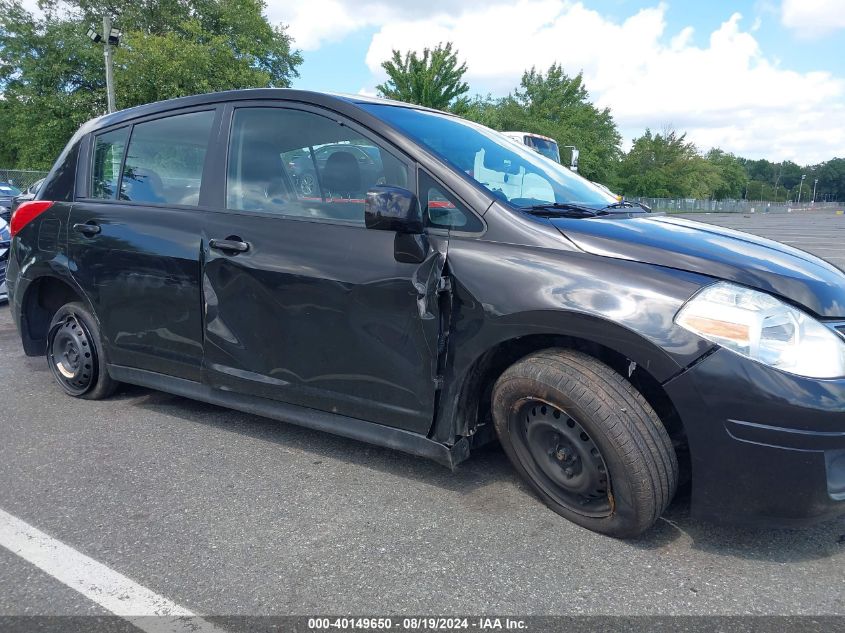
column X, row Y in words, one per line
column 762, row 328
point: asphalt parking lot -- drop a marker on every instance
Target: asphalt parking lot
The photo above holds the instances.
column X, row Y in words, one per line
column 228, row 513
column 819, row 232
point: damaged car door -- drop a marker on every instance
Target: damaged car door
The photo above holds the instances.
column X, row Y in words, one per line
column 303, row 303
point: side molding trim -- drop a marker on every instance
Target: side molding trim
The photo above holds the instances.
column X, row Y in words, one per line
column 369, row 432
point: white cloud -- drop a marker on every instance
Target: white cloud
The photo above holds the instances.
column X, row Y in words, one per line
column 813, row 18
column 726, row 93
column 313, row 23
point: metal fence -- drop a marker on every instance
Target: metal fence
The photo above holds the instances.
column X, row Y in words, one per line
column 21, row 178
column 693, row 205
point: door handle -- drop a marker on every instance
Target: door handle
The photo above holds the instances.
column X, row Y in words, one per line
column 90, row 228
column 230, row 246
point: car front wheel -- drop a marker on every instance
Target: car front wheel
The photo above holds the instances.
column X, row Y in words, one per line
column 586, row 440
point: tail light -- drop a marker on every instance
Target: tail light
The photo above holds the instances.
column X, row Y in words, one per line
column 26, row 213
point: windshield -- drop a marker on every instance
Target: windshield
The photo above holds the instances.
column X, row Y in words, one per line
column 546, row 148
column 510, row 171
column 7, row 190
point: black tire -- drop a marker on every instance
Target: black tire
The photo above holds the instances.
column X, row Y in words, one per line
column 586, row 440
column 75, row 354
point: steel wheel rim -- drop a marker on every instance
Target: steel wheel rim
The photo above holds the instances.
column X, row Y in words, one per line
column 71, row 355
column 561, row 457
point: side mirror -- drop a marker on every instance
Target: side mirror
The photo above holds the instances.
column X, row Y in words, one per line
column 573, row 165
column 392, row 209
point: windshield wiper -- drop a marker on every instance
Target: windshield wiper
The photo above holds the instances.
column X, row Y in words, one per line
column 625, row 204
column 566, row 209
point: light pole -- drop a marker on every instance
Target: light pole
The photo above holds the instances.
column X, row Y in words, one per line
column 110, row 38
column 815, row 182
column 803, row 176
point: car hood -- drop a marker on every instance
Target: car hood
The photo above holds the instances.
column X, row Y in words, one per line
column 718, row 252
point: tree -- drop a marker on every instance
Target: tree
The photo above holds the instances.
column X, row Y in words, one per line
column 52, row 77
column 790, row 174
column 731, row 173
column 667, row 166
column 831, row 175
column 483, row 110
column 761, row 170
column 558, row 106
column 434, row 80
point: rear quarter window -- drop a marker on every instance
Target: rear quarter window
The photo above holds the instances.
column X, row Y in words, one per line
column 61, row 184
column 108, row 156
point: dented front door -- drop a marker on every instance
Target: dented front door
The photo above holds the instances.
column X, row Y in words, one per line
column 322, row 315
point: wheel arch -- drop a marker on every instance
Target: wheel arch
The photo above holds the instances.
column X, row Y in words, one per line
column 42, row 297
column 638, row 360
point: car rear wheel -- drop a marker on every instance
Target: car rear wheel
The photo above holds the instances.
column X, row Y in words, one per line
column 586, row 440
column 75, row 354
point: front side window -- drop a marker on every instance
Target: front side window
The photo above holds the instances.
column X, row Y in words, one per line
column 108, row 155
column 302, row 164
column 165, row 159
column 510, row 171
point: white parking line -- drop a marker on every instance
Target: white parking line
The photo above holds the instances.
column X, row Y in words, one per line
column 111, row 590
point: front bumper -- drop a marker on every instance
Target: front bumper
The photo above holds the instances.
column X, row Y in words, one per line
column 766, row 447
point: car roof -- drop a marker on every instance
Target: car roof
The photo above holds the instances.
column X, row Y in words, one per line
column 326, row 99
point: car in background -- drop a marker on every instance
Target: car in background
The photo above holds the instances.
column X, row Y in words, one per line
column 5, row 238
column 543, row 145
column 28, row 194
column 309, row 163
column 7, row 194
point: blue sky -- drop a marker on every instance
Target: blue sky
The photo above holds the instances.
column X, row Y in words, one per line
column 761, row 78
column 340, row 65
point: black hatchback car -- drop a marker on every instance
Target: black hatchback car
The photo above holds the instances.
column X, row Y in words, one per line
column 467, row 290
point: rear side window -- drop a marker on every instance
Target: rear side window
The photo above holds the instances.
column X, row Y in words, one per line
column 165, row 159
column 108, row 155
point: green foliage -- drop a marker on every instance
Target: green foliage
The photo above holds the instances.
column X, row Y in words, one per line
column 555, row 105
column 732, row 176
column 781, row 181
column 831, row 175
column 434, row 80
column 52, row 76
column 790, row 174
column 483, row 110
column 52, row 81
column 667, row 166
column 658, row 165
column 559, row 106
